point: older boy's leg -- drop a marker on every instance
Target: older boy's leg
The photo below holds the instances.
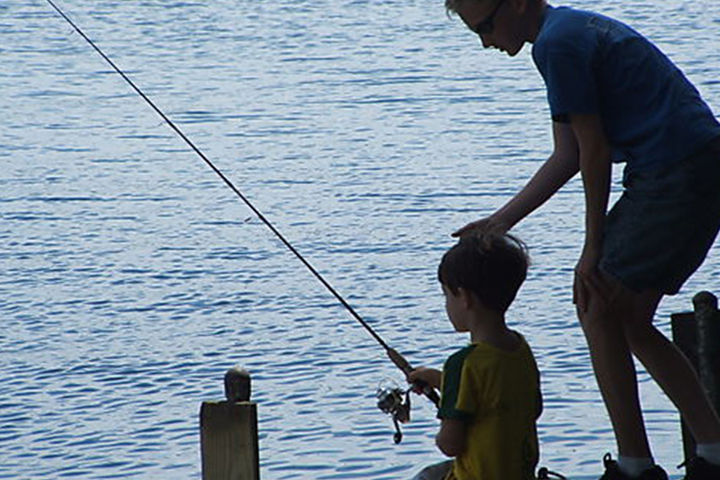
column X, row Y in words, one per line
column 626, row 324
column 669, row 367
column 615, row 373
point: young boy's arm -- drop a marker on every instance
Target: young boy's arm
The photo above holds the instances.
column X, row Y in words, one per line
column 451, row 437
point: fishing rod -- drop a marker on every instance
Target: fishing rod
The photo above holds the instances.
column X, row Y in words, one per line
column 394, row 356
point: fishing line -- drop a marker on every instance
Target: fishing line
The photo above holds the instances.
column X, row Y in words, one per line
column 397, row 359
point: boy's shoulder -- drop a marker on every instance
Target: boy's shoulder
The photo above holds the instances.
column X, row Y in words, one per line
column 578, row 27
column 486, row 355
column 560, row 21
column 459, row 355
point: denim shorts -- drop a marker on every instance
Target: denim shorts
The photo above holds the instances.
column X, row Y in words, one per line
column 665, row 222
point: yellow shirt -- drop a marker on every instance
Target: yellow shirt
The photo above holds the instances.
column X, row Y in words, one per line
column 497, row 394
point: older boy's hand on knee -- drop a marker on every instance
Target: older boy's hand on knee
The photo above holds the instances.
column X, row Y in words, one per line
column 589, row 284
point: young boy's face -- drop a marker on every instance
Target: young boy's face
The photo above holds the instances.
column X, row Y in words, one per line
column 495, row 22
column 454, row 306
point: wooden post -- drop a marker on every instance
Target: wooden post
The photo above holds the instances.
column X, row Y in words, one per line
column 697, row 335
column 229, row 434
column 685, row 337
column 708, row 338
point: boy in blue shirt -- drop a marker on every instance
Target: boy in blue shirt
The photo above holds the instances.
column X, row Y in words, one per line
column 490, row 388
column 614, row 97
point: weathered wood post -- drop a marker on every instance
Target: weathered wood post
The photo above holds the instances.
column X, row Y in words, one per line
column 697, row 334
column 708, row 338
column 229, row 434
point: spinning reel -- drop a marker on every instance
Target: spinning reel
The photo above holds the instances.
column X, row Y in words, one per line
column 396, row 403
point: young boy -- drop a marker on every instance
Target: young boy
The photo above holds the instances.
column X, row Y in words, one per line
column 490, row 390
column 614, row 97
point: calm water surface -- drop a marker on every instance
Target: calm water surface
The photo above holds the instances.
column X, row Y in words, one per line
column 131, row 278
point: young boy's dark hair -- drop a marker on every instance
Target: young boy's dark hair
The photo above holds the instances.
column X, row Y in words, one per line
column 490, row 265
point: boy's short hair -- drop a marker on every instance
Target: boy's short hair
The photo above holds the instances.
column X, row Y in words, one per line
column 490, row 265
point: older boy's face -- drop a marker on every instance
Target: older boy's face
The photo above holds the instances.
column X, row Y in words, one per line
column 494, row 22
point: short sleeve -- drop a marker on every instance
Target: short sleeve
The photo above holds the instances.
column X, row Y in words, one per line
column 565, row 62
column 456, row 386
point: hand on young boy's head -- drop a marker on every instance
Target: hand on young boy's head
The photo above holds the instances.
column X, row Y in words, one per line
column 484, row 225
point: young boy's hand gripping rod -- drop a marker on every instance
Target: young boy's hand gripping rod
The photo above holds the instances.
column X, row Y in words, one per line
column 405, row 366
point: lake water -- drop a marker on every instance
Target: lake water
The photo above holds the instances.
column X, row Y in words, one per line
column 131, row 278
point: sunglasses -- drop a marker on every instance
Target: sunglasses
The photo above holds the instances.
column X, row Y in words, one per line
column 487, row 25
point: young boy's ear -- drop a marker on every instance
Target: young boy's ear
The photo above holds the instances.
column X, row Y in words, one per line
column 466, row 297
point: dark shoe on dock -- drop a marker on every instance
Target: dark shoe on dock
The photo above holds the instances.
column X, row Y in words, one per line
column 700, row 469
column 612, row 472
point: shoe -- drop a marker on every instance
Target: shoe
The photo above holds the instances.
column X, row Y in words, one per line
column 612, row 472
column 700, row 469
column 545, row 474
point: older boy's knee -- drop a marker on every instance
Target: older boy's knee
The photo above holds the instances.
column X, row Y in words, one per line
column 594, row 328
column 638, row 332
column 596, row 321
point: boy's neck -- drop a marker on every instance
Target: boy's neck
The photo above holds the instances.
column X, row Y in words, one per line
column 489, row 327
column 536, row 15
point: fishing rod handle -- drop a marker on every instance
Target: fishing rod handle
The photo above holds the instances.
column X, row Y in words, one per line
column 418, row 385
column 399, row 361
column 424, row 388
column 430, row 393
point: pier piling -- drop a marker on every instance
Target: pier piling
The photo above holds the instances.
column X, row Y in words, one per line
column 697, row 334
column 229, row 434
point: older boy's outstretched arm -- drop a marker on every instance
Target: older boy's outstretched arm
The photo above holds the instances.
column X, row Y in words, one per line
column 562, row 165
column 595, row 167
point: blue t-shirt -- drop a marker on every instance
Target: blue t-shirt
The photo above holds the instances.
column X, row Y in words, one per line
column 653, row 116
